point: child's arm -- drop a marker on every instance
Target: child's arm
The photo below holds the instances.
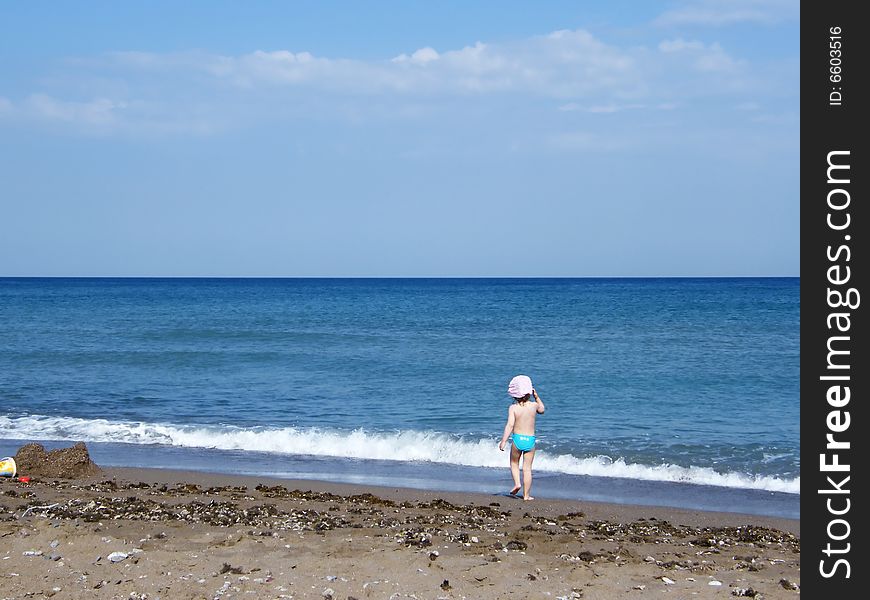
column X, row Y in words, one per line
column 540, row 408
column 508, row 429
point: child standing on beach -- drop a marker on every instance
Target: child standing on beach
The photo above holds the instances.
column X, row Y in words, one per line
column 521, row 429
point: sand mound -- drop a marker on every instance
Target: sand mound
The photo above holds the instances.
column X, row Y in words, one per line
column 64, row 463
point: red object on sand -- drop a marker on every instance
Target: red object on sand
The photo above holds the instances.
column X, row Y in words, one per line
column 24, row 479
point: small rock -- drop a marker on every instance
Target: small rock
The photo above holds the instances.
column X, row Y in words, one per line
column 789, row 585
column 228, row 568
column 667, row 580
column 445, row 585
column 639, row 587
column 331, row 577
column 433, row 555
column 328, row 593
column 32, row 553
column 475, row 540
column 714, row 583
column 649, row 559
column 117, row 556
column 54, row 544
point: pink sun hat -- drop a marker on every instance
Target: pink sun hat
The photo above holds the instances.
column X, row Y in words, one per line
column 520, row 386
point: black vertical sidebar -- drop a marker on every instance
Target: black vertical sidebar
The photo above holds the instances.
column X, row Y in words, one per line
column 834, row 265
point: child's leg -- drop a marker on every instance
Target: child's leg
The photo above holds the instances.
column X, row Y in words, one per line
column 515, row 468
column 528, row 457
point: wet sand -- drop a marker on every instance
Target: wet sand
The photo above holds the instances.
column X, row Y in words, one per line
column 149, row 533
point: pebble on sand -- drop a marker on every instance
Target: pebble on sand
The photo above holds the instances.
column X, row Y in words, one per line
column 789, row 585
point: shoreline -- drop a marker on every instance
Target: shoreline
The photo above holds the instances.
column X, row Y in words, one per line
column 542, row 506
column 147, row 533
column 442, row 477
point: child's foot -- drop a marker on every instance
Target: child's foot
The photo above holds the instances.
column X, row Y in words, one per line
column 514, row 491
column 528, row 498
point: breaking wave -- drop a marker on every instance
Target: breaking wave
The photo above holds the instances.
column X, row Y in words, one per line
column 425, row 446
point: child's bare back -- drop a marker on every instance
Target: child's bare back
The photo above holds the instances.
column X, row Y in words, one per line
column 524, row 417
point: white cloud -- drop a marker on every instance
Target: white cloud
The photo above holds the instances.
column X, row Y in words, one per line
column 600, row 108
column 101, row 116
column 785, row 118
column 585, row 141
column 98, row 112
column 420, row 57
column 708, row 58
column 279, row 66
column 714, row 58
column 730, row 12
column 613, row 108
column 560, row 64
column 575, row 140
column 142, row 60
column 199, row 92
column 679, row 45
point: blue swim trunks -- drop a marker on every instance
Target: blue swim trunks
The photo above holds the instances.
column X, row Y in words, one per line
column 524, row 443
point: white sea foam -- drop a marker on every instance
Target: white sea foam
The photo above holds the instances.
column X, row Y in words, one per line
column 425, row 446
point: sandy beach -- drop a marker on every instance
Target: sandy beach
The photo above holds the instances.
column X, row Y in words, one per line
column 149, row 533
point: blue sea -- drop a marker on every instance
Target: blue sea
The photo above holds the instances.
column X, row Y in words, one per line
column 676, row 392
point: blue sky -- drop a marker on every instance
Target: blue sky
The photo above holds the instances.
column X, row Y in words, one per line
column 400, row 138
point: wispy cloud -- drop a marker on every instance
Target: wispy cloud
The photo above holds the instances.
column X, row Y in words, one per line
column 100, row 116
column 587, row 141
column 561, row 64
column 420, row 57
column 680, row 45
column 730, row 12
column 703, row 57
column 98, row 112
column 201, row 93
column 600, row 108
